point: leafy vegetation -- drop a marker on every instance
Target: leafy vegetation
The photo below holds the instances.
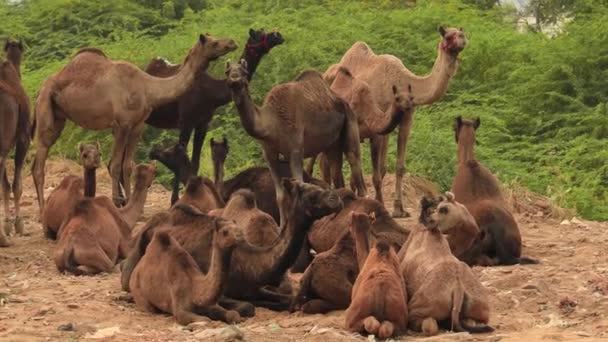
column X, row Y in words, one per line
column 542, row 101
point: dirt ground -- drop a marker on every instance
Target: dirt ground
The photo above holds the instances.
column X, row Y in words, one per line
column 565, row 298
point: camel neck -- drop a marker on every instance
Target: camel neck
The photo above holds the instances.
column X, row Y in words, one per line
column 253, row 60
column 132, row 211
column 210, row 286
column 361, row 246
column 384, row 122
column 466, row 151
column 430, row 88
column 16, row 61
column 218, row 176
column 296, row 226
column 90, row 182
column 249, row 113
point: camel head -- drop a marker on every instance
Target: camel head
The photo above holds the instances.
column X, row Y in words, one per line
column 227, row 233
column 260, row 42
column 219, row 150
column 465, row 129
column 174, row 158
column 313, row 200
column 213, row 48
column 144, row 174
column 453, row 40
column 236, row 74
column 13, row 49
column 403, row 99
column 448, row 214
column 428, row 206
column 90, row 156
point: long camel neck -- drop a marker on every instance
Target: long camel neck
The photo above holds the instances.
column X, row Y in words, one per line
column 16, row 61
column 221, row 92
column 134, row 208
column 384, row 122
column 466, row 148
column 209, row 287
column 218, row 176
column 90, row 182
column 361, row 245
column 250, row 113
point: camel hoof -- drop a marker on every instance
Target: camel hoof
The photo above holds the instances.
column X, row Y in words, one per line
column 4, row 242
column 8, row 226
column 19, row 227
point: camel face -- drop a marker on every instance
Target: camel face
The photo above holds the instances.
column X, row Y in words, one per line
column 260, row 42
column 454, row 40
column 447, row 214
column 174, row 158
column 145, row 173
column 465, row 129
column 236, row 74
column 214, row 48
column 403, row 99
column 316, row 201
column 227, row 234
column 13, row 49
column 219, row 150
column 90, row 156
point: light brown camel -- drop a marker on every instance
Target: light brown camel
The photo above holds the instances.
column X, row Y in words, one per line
column 98, row 93
column 479, row 190
column 441, row 288
column 96, row 235
column 62, row 199
column 14, row 133
column 379, row 298
column 168, row 279
column 381, row 73
column 299, row 119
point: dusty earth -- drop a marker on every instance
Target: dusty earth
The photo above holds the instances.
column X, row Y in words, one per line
column 565, row 298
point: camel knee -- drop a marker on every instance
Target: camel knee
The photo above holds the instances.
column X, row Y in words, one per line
column 371, row 325
column 429, row 327
column 400, row 171
column 386, row 330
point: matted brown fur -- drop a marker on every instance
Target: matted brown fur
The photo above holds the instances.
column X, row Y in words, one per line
column 379, row 298
column 168, row 279
column 441, row 288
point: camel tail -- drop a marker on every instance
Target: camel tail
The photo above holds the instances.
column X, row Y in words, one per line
column 459, row 324
column 69, row 261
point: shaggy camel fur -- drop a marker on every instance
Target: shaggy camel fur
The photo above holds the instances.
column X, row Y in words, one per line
column 379, row 297
column 195, row 108
column 478, row 189
column 381, row 73
column 62, row 199
column 96, row 234
column 98, row 93
column 288, row 124
column 252, row 268
column 168, row 279
column 14, row 133
column 441, row 288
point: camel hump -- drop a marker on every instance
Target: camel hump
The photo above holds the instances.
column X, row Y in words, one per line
column 91, row 50
column 345, row 71
column 248, row 197
column 164, row 239
column 308, row 75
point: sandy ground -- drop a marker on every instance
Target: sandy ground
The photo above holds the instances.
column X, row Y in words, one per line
column 565, row 298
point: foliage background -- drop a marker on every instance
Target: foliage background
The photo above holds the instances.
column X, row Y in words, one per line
column 542, row 101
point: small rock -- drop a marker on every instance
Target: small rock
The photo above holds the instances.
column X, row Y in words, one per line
column 196, row 326
column 45, row 311
column 73, row 306
column 232, row 333
column 567, row 305
column 103, row 333
column 565, row 223
column 66, row 327
column 583, row 334
column 530, row 287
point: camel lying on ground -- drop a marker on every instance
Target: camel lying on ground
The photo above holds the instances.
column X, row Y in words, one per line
column 378, row 305
column 479, row 191
column 441, row 288
column 168, row 279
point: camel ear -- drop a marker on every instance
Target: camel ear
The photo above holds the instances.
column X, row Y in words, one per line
column 394, row 89
column 449, row 196
column 425, row 203
column 252, row 33
column 20, row 42
column 442, row 31
column 81, row 148
column 243, row 63
column 477, row 123
column 6, row 45
column 202, row 38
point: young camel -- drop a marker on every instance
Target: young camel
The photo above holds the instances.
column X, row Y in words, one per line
column 379, row 296
column 479, row 190
column 195, row 108
column 97, row 93
column 289, row 124
column 62, row 199
column 381, row 73
column 441, row 288
column 167, row 278
column 96, row 234
column 253, row 268
column 14, row 133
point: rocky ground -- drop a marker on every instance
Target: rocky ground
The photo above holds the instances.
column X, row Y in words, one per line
column 565, row 298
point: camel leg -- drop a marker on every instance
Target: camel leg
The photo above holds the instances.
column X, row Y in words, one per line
column 310, row 167
column 121, row 136
column 197, row 145
column 48, row 131
column 295, row 164
column 325, row 167
column 6, row 197
column 129, row 157
column 375, row 146
column 404, row 133
column 333, row 160
column 218, row 313
column 184, row 138
column 20, row 152
column 272, row 159
column 245, row 309
column 352, row 150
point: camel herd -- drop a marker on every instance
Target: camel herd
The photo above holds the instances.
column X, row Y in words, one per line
column 225, row 246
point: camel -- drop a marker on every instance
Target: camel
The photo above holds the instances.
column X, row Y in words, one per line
column 379, row 296
column 480, row 192
column 381, row 73
column 62, row 199
column 96, row 234
column 253, row 269
column 200, row 193
column 288, row 124
column 98, row 93
column 14, row 133
column 441, row 288
column 219, row 153
column 168, row 279
column 194, row 109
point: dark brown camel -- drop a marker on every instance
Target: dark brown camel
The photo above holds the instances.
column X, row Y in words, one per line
column 252, row 268
column 299, row 119
column 14, row 133
column 194, row 109
column 479, row 190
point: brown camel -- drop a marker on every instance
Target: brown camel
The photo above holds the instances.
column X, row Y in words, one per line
column 381, row 73
column 379, row 296
column 96, row 234
column 194, row 109
column 479, row 191
column 288, row 124
column 219, row 153
column 14, row 133
column 97, row 93
column 441, row 288
column 200, row 193
column 252, row 268
column 167, row 278
column 62, row 199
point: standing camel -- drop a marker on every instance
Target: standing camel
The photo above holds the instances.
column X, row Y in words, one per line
column 381, row 72
column 194, row 109
column 14, row 132
column 299, row 119
column 97, row 93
